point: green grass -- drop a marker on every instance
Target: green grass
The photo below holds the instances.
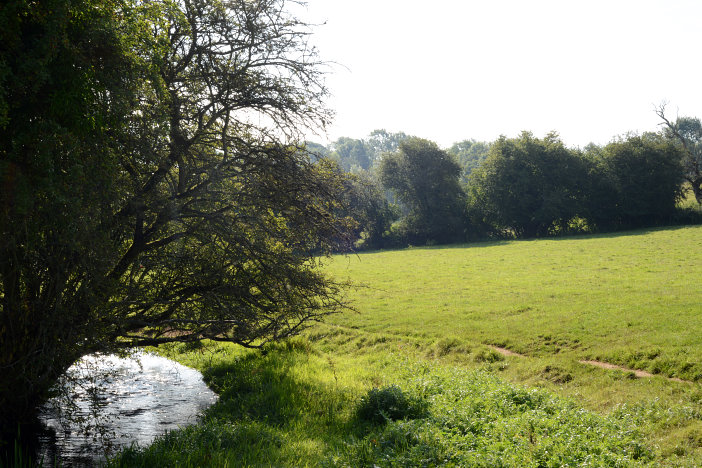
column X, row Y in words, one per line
column 634, row 299
column 295, row 406
column 426, row 320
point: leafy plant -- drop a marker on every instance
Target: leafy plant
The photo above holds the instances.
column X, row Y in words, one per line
column 390, row 404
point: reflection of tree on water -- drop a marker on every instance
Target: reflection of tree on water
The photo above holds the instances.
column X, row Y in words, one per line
column 115, row 402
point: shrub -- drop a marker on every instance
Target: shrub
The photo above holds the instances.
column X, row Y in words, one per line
column 390, row 404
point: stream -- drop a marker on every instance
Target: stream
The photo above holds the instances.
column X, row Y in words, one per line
column 140, row 399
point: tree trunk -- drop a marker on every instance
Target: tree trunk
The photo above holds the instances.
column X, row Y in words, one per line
column 697, row 190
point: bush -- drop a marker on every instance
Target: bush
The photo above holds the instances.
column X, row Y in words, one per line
column 390, row 404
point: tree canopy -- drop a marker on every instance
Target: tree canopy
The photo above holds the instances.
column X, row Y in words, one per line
column 356, row 155
column 528, row 185
column 425, row 179
column 351, row 154
column 637, row 182
column 469, row 154
column 152, row 190
column 686, row 132
column 531, row 187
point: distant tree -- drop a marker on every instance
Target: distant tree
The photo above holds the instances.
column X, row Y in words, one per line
column 687, row 133
column 469, row 154
column 351, row 154
column 367, row 205
column 528, row 186
column 381, row 142
column 316, row 151
column 354, row 155
column 425, row 179
column 638, row 181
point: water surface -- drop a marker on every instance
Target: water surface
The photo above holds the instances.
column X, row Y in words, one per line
column 139, row 399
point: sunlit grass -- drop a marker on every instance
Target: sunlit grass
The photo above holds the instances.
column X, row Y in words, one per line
column 295, row 406
column 427, row 320
column 633, row 299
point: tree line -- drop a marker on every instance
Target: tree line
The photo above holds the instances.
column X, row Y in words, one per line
column 417, row 193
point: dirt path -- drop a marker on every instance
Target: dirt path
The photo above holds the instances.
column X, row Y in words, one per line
column 505, row 351
column 600, row 364
column 637, row 373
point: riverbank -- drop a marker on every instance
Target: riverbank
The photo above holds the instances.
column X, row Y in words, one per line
column 108, row 403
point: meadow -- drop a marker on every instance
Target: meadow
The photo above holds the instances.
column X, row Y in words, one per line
column 473, row 355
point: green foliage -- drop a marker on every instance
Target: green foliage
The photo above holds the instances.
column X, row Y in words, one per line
column 390, row 403
column 366, row 203
column 637, row 182
column 476, row 419
column 358, row 155
column 316, row 151
column 488, row 355
column 425, row 180
column 381, row 142
column 351, row 154
column 212, row 443
column 480, row 421
column 686, row 133
column 469, row 154
column 151, row 186
column 528, row 186
column 60, row 63
column 586, row 297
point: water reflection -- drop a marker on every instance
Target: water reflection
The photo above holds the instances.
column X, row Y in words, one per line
column 140, row 399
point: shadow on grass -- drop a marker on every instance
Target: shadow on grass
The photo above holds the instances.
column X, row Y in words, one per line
column 673, row 226
column 260, row 387
column 267, row 415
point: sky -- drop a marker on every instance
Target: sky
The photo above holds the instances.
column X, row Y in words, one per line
column 451, row 70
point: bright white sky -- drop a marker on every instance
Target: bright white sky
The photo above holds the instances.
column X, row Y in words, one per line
column 449, row 70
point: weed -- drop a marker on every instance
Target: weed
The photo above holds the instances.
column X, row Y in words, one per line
column 590, row 297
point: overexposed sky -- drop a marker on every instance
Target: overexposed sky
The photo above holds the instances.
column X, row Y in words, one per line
column 450, row 70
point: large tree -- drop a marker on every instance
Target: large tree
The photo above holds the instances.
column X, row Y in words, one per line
column 367, row 205
column 686, row 132
column 62, row 93
column 425, row 179
column 151, row 188
column 380, row 142
column 528, row 186
column 636, row 182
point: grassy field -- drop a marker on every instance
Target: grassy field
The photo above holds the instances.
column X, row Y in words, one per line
column 633, row 299
column 426, row 329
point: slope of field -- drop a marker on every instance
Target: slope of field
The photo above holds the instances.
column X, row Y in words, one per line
column 632, row 299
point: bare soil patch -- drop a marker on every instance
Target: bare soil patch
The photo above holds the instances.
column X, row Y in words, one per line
column 505, row 351
column 637, row 373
